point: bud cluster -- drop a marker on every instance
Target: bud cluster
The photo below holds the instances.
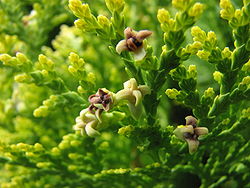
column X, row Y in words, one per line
column 78, row 70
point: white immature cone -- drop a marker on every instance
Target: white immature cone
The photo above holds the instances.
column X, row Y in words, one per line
column 133, row 42
column 134, row 95
column 190, row 133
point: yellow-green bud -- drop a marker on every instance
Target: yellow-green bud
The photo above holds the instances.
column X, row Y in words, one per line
column 192, row 71
column 22, row 146
column 115, row 5
column 75, row 143
column 30, row 154
column 64, row 145
column 7, row 59
column 48, row 103
column 45, row 73
column 43, row 164
column 226, row 53
column 72, row 69
column 196, row 45
column 227, row 11
column 46, row 63
column 38, row 147
column 181, row 4
column 55, row 151
column 126, row 130
column 211, row 37
column 21, row 57
column 73, row 57
column 22, row 78
column 77, row 62
column 209, row 93
column 196, row 10
column 163, row 15
column 103, row 21
column 202, row 54
column 246, row 66
column 79, row 9
column 238, row 14
column 246, row 81
column 217, row 76
column 83, row 25
column 81, row 90
column 42, row 111
column 198, row 34
column 225, row 4
column 246, row 113
column 74, row 156
column 172, row 93
column 91, row 77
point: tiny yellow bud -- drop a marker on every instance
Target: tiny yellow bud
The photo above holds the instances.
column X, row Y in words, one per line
column 193, row 48
column 115, row 5
column 55, row 151
column 6, row 59
column 43, row 164
column 209, row 93
column 91, row 77
column 75, row 143
column 225, row 4
column 38, row 147
column 202, row 54
column 83, row 25
column 30, row 154
column 48, row 103
column 198, row 34
column 227, row 11
column 22, row 146
column 103, row 21
column 217, row 76
column 42, row 58
column 79, row 9
column 72, row 69
column 238, row 14
column 246, row 66
column 42, row 111
column 125, row 130
column 73, row 57
column 80, row 89
column 73, row 156
column 21, row 57
column 64, row 145
column 196, row 10
column 246, row 113
column 163, row 15
column 45, row 73
column 246, row 81
column 181, row 4
column 211, row 37
column 22, row 78
column 172, row 93
column 226, row 53
column 192, row 71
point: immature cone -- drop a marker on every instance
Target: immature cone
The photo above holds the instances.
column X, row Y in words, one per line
column 133, row 42
column 86, row 123
column 133, row 94
column 102, row 100
column 190, row 133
